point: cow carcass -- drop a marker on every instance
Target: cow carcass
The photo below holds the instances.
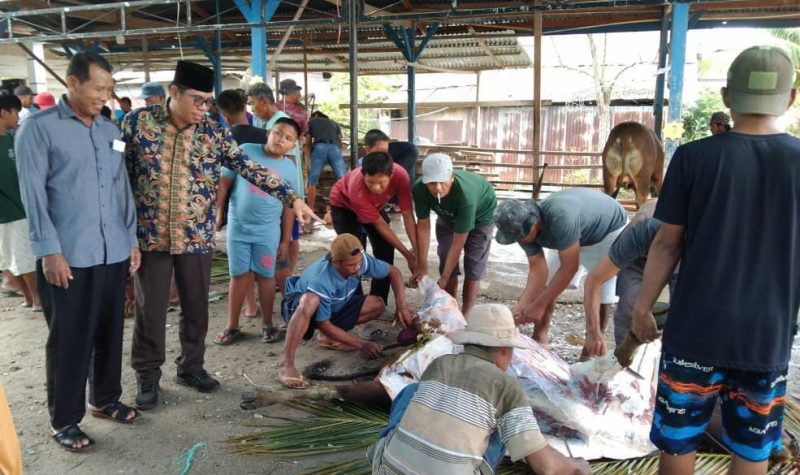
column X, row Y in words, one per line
column 592, row 409
column 633, row 158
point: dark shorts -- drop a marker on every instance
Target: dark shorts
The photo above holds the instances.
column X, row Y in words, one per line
column 476, row 249
column 752, row 405
column 346, row 318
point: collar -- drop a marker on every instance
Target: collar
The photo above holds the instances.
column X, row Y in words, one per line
column 478, row 353
column 65, row 111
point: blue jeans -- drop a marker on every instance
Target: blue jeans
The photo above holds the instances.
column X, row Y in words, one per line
column 321, row 154
column 494, row 452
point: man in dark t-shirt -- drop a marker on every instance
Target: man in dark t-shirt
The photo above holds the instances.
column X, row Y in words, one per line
column 325, row 149
column 232, row 104
column 729, row 212
column 626, row 260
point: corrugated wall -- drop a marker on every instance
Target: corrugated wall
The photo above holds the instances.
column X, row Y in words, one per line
column 564, row 128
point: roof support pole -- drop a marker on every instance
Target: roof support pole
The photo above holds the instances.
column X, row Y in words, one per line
column 677, row 58
column 405, row 39
column 216, row 62
column 537, row 99
column 146, row 54
column 661, row 73
column 258, row 11
column 352, row 37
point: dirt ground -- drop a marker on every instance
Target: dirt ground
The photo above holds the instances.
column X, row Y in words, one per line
column 159, row 441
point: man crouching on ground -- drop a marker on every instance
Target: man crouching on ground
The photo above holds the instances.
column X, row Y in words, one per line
column 324, row 297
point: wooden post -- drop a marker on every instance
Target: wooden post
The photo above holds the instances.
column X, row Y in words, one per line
column 537, row 92
column 478, row 121
column 305, row 68
column 146, row 54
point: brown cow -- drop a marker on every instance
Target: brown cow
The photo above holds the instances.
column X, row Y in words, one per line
column 634, row 159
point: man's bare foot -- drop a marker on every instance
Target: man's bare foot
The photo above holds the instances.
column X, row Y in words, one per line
column 291, row 378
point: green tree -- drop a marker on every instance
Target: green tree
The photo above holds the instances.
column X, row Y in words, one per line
column 696, row 118
column 371, row 90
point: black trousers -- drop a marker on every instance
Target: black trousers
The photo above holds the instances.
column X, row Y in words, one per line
column 85, row 340
column 152, row 281
column 346, row 221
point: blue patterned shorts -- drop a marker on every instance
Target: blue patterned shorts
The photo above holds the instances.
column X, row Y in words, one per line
column 752, row 406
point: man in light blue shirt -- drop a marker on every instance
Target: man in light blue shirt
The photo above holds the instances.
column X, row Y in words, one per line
column 83, row 232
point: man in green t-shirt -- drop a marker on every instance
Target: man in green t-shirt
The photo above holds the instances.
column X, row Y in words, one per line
column 15, row 247
column 464, row 203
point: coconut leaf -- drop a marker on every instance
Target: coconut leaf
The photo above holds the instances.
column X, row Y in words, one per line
column 346, row 427
column 329, row 429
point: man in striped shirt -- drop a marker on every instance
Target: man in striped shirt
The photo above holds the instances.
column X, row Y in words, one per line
column 466, row 411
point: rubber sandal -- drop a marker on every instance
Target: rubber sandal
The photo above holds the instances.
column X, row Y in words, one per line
column 270, row 334
column 228, row 336
column 334, row 345
column 68, row 436
column 117, row 412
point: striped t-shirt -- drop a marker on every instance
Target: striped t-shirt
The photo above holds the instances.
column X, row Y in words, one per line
column 462, row 399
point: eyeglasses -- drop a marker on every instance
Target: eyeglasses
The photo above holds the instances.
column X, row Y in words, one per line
column 200, row 102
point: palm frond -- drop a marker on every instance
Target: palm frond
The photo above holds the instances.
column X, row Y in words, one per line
column 219, row 267
column 329, row 429
column 345, row 427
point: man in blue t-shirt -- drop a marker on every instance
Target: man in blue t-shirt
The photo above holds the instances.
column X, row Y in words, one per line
column 729, row 212
column 326, row 297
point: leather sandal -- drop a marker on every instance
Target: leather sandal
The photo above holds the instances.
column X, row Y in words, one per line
column 67, row 438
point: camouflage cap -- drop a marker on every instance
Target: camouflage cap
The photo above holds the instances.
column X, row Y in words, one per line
column 514, row 220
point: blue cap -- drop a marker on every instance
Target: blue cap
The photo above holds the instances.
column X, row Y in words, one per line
column 150, row 89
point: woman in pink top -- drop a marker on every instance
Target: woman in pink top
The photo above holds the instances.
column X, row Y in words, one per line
column 357, row 201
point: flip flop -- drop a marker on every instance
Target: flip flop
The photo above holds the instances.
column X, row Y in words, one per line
column 228, row 336
column 334, row 345
column 270, row 334
column 300, row 382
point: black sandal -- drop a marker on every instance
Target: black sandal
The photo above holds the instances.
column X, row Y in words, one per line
column 270, row 334
column 67, row 437
column 117, row 412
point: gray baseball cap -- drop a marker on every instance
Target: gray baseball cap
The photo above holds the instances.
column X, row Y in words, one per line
column 514, row 220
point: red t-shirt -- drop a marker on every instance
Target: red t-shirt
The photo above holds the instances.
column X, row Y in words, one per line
column 352, row 193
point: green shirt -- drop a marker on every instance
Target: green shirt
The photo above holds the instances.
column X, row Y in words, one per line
column 11, row 208
column 470, row 203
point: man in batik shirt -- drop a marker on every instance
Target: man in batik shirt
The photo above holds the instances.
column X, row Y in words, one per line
column 174, row 154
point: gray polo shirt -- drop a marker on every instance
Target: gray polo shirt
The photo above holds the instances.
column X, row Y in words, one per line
column 75, row 188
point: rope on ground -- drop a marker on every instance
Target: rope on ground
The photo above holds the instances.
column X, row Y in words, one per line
column 188, row 459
